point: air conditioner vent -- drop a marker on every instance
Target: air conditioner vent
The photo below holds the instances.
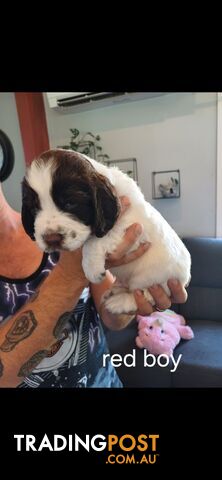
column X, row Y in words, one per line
column 75, row 102
column 89, row 97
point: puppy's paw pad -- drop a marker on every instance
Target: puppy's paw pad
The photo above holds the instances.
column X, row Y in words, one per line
column 101, row 276
column 97, row 277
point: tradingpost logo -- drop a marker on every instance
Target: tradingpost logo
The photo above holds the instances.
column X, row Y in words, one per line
column 117, row 449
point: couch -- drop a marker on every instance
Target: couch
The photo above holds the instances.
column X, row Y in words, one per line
column 201, row 361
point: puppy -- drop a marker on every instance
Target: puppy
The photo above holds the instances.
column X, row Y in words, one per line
column 70, row 201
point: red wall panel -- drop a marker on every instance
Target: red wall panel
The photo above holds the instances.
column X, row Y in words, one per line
column 32, row 121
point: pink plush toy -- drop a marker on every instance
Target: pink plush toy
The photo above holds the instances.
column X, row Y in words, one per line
column 160, row 332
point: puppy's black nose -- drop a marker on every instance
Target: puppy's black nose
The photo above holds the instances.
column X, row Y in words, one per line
column 53, row 239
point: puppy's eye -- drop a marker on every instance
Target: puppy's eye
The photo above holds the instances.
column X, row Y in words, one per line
column 150, row 327
column 162, row 331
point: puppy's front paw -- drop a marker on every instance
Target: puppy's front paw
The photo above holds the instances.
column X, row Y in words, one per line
column 96, row 277
column 94, row 268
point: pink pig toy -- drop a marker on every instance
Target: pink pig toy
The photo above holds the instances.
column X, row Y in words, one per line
column 160, row 332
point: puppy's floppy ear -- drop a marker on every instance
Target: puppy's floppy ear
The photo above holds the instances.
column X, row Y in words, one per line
column 28, row 206
column 106, row 204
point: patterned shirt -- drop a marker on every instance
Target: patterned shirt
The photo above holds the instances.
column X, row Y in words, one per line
column 76, row 360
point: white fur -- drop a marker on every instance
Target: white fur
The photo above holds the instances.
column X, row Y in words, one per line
column 166, row 258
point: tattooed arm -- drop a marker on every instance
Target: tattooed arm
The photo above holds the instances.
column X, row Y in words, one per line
column 26, row 337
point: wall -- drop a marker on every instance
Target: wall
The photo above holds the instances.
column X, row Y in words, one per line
column 9, row 124
column 176, row 131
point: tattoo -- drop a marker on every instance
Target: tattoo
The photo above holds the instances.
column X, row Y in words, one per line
column 21, row 329
column 34, row 296
column 27, row 368
column 1, row 368
column 62, row 322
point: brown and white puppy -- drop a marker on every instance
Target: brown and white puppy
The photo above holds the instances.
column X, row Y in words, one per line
column 65, row 200
column 70, row 200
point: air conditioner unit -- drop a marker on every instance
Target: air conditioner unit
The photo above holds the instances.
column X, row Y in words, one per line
column 74, row 102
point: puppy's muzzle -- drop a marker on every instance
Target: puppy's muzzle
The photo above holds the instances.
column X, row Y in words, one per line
column 53, row 240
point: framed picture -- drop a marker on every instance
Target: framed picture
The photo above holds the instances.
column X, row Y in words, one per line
column 166, row 184
column 127, row 165
column 6, row 156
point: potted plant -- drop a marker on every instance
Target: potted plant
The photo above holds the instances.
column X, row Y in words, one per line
column 87, row 144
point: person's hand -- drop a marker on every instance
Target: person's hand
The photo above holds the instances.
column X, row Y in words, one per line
column 120, row 256
column 162, row 300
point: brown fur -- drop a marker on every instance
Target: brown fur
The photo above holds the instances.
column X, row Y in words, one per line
column 30, row 207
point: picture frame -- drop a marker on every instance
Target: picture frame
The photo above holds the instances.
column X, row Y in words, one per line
column 127, row 165
column 7, row 156
column 166, row 184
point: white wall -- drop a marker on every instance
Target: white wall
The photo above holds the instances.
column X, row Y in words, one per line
column 219, row 167
column 176, row 131
column 10, row 125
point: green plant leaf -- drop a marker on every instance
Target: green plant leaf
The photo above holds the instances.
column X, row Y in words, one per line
column 75, row 132
column 84, row 144
column 91, row 134
column 74, row 145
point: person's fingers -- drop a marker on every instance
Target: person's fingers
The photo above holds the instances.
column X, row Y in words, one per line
column 113, row 261
column 129, row 257
column 124, row 203
column 131, row 235
column 144, row 307
column 162, row 301
column 178, row 292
